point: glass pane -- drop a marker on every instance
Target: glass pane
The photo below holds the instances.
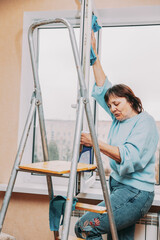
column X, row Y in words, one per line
column 131, row 55
column 58, row 79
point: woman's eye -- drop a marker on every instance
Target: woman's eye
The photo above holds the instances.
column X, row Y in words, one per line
column 116, row 104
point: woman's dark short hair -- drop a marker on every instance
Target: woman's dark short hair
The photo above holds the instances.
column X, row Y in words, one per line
column 122, row 90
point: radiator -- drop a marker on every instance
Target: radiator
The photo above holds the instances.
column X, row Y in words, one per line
column 147, row 228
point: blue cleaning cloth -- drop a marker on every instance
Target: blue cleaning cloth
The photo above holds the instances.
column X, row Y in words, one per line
column 95, row 28
column 95, row 25
column 56, row 209
column 86, row 155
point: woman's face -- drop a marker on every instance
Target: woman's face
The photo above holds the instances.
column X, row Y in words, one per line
column 120, row 108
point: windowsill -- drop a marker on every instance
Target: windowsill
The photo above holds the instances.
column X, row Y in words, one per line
column 92, row 193
column 40, row 189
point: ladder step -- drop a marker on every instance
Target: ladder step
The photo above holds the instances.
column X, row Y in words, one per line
column 90, row 207
column 55, row 167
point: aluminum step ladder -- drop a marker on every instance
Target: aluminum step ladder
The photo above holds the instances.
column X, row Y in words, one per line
column 36, row 102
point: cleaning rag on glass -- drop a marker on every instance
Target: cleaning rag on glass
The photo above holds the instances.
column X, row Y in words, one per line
column 95, row 28
column 86, row 155
column 56, row 209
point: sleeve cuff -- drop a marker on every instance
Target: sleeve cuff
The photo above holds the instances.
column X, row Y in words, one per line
column 125, row 166
column 97, row 90
column 121, row 153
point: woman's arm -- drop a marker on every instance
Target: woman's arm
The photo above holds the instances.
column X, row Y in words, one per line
column 110, row 151
column 97, row 67
column 102, row 84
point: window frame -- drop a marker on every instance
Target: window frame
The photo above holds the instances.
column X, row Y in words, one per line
column 111, row 61
column 148, row 15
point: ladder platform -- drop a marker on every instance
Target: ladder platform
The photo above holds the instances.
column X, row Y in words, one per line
column 55, row 167
column 90, row 207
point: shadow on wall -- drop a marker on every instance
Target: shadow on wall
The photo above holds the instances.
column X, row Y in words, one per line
column 78, row 4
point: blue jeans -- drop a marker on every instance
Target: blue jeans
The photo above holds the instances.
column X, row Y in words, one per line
column 128, row 205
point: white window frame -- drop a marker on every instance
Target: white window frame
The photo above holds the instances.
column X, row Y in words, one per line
column 147, row 15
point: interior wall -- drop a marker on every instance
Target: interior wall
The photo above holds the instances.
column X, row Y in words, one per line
column 24, row 209
column 27, row 217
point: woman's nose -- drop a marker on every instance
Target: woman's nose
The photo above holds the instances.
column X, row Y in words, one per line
column 113, row 108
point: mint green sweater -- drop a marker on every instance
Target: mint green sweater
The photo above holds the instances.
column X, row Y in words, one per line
column 137, row 140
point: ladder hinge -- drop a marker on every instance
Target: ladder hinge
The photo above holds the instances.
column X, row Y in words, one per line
column 85, row 100
column 38, row 102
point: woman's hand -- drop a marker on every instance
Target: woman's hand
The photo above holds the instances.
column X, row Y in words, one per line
column 108, row 150
column 86, row 139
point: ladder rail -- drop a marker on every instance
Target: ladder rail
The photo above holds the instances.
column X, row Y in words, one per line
column 74, row 48
column 18, row 158
column 83, row 91
column 39, row 104
column 37, row 84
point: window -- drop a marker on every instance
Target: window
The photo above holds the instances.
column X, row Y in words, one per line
column 131, row 55
column 113, row 46
column 59, row 84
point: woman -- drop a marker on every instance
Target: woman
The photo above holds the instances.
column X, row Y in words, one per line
column 131, row 146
